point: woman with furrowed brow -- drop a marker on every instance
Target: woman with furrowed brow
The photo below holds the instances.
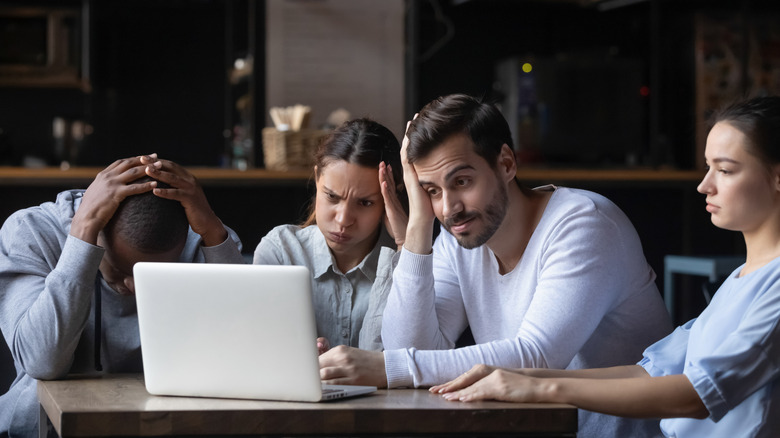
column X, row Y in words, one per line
column 350, row 241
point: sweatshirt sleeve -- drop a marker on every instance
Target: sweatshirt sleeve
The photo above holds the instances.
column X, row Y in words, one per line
column 45, row 297
column 228, row 251
column 424, row 309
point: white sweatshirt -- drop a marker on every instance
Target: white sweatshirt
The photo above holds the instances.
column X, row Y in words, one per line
column 582, row 296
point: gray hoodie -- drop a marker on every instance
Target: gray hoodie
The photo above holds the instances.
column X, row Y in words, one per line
column 48, row 284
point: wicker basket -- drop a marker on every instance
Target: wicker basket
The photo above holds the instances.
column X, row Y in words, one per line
column 285, row 150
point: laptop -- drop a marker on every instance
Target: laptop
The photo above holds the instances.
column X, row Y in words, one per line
column 230, row 331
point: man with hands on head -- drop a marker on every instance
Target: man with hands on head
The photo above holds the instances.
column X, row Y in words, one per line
column 66, row 279
column 546, row 278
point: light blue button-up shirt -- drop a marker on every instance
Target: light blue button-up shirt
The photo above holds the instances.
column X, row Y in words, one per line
column 731, row 355
column 348, row 306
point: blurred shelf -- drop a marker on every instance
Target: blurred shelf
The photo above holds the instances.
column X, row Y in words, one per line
column 639, row 176
column 81, row 176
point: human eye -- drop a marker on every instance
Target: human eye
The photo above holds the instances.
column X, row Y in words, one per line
column 366, row 203
column 433, row 191
column 462, row 182
column 725, row 169
column 331, row 197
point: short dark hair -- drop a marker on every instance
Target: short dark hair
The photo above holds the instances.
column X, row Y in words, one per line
column 759, row 120
column 364, row 142
column 149, row 223
column 459, row 114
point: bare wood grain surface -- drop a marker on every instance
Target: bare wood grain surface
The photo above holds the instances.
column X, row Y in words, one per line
column 119, row 405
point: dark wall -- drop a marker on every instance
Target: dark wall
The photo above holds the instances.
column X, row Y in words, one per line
column 159, row 80
column 158, row 71
column 483, row 32
column 158, row 85
column 587, row 52
column 26, row 121
column 460, row 43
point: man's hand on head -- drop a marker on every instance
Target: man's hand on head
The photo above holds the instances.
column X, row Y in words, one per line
column 185, row 188
column 344, row 365
column 419, row 232
column 396, row 220
column 103, row 196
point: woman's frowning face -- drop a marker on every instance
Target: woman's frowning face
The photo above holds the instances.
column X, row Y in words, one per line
column 349, row 209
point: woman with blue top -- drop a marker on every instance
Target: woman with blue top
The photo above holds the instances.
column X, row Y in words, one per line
column 350, row 240
column 717, row 375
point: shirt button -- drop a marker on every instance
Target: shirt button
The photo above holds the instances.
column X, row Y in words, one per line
column 344, row 333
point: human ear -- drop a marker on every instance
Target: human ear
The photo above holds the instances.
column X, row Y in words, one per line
column 507, row 165
column 776, row 176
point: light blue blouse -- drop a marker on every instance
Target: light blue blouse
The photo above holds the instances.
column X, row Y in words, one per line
column 348, row 305
column 731, row 355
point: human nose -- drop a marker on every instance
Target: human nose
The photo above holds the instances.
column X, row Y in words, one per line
column 345, row 215
column 705, row 187
column 451, row 204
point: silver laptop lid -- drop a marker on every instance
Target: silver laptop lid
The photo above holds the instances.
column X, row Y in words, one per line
column 235, row 331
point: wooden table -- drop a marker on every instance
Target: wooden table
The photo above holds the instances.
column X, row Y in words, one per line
column 118, row 405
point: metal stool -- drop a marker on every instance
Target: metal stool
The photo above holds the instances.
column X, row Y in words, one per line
column 713, row 267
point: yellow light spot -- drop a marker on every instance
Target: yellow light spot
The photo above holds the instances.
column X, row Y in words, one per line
column 527, row 67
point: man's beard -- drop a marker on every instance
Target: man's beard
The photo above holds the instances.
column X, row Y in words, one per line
column 494, row 215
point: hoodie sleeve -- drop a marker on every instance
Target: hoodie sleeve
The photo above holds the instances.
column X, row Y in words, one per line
column 45, row 294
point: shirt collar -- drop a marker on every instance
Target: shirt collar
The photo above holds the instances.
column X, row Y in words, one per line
column 324, row 261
